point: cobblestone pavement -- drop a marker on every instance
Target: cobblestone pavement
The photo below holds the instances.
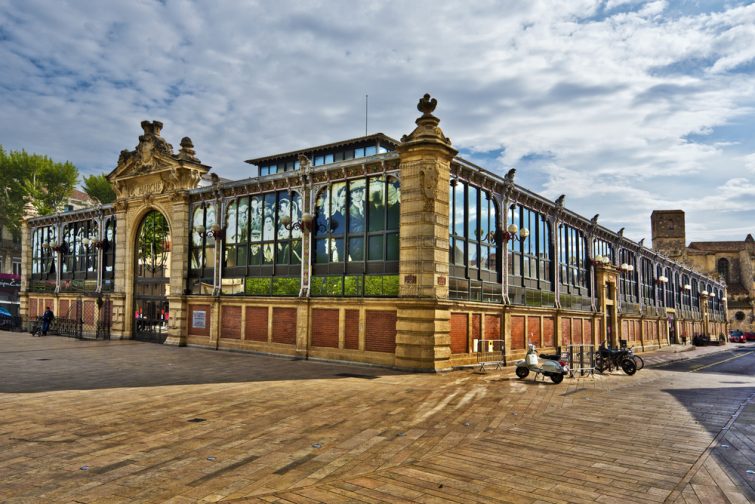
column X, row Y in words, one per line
column 134, row 422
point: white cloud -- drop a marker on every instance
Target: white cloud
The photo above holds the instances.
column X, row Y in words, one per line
column 616, row 97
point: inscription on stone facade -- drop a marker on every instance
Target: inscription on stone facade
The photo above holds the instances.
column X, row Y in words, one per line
column 148, row 188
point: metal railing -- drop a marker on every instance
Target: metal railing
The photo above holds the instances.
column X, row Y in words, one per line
column 489, row 351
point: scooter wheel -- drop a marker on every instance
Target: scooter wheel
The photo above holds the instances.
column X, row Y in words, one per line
column 522, row 372
column 557, row 378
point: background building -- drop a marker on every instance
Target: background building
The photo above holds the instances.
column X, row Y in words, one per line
column 731, row 261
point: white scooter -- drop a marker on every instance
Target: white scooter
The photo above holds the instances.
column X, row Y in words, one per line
column 553, row 368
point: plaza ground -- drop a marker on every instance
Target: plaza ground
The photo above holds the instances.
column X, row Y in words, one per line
column 121, row 421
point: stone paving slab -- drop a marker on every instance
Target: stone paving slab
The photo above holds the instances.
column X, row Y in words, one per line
column 134, row 422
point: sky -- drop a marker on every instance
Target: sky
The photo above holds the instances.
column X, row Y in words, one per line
column 624, row 106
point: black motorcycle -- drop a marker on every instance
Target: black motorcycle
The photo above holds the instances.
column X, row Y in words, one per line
column 608, row 359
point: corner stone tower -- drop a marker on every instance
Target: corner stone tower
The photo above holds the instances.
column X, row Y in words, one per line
column 668, row 232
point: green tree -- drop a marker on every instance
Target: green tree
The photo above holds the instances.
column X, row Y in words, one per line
column 32, row 178
column 99, row 188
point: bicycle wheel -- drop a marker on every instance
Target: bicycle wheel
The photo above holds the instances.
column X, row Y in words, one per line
column 638, row 362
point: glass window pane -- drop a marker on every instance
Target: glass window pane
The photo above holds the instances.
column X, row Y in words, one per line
column 472, row 254
column 336, row 250
column 375, row 248
column 338, row 208
column 296, row 252
column 255, row 214
column 394, row 203
column 283, row 253
column 284, row 209
column 242, row 224
column 321, row 250
column 230, row 222
column 392, row 247
column 268, row 253
column 296, row 213
column 459, row 251
column 370, row 151
column 356, row 249
column 376, row 214
column 356, row 208
column 473, row 228
column 255, row 254
column 321, row 211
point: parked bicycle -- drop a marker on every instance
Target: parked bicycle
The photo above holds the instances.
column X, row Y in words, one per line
column 638, row 361
column 36, row 327
column 607, row 359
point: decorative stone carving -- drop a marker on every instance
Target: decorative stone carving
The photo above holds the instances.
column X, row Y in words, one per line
column 153, row 169
column 428, row 180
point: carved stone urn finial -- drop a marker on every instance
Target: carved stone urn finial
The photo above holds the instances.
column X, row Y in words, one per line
column 427, row 105
column 427, row 124
column 187, row 149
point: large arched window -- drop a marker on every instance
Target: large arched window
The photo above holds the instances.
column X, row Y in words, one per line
column 262, row 250
column 43, row 256
column 686, row 292
column 647, row 278
column 79, row 256
column 529, row 269
column 202, row 249
column 723, row 268
column 602, row 248
column 572, row 250
column 695, row 295
column 669, row 288
column 474, row 258
column 108, row 245
column 660, row 286
column 628, row 279
column 356, row 238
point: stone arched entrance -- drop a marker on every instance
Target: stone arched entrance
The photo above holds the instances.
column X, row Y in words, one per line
column 152, row 264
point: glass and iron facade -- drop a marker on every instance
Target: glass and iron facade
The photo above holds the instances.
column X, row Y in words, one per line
column 340, row 227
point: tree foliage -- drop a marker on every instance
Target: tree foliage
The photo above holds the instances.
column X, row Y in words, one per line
column 99, row 188
column 35, row 179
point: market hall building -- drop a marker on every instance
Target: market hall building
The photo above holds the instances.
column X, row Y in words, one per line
column 371, row 250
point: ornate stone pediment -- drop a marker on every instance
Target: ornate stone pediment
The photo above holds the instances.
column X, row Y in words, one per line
column 152, row 168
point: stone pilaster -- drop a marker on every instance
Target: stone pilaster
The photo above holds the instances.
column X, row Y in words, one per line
column 422, row 339
column 180, row 237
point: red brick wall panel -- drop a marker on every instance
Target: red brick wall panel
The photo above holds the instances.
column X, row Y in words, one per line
column 566, row 338
column 577, row 332
column 476, row 326
column 493, row 327
column 88, row 312
column 587, row 334
column 548, row 340
column 380, row 331
column 256, row 323
column 230, row 322
column 517, row 333
column 459, row 337
column 197, row 331
column 533, row 331
column 284, row 325
column 351, row 330
column 63, row 310
column 325, row 328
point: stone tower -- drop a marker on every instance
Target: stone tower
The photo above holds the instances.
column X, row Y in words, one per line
column 668, row 232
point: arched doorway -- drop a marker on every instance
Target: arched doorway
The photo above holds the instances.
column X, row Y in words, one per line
column 151, row 281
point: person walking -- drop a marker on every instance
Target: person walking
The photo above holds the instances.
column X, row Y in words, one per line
column 47, row 319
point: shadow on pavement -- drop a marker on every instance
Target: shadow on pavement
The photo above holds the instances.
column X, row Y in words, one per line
column 713, row 409
column 29, row 364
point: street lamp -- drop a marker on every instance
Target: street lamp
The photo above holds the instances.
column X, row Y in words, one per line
column 305, row 224
column 513, row 232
